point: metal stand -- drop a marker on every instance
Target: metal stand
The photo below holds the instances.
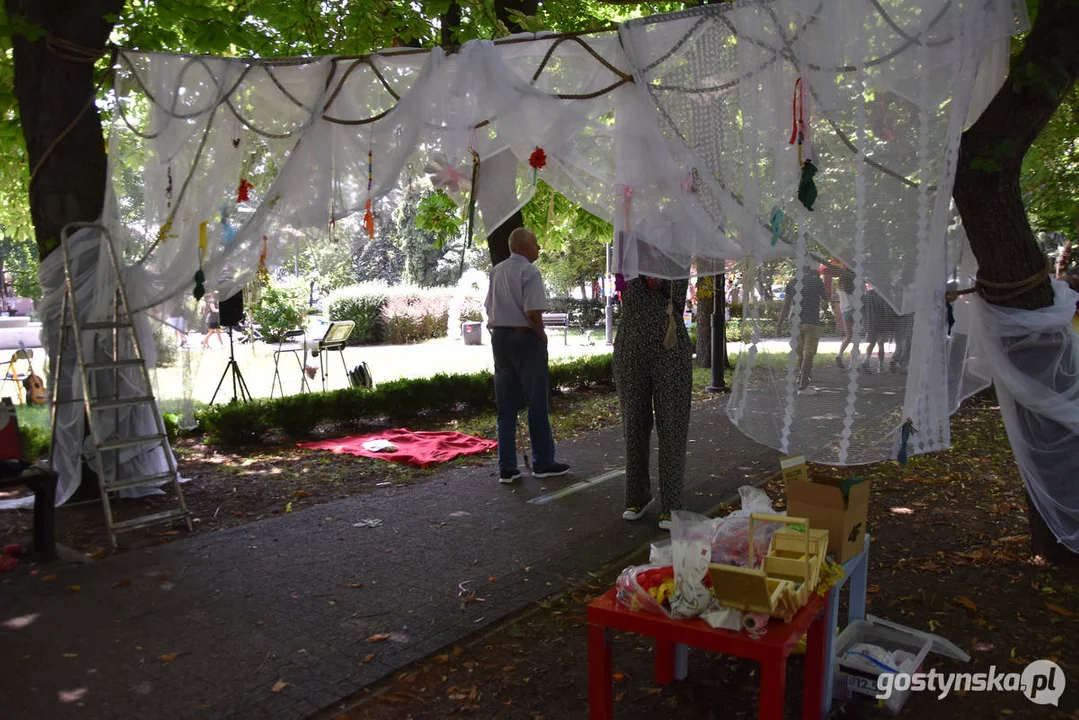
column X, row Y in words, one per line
column 719, row 336
column 239, row 385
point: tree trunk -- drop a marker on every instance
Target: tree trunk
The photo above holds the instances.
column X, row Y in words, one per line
column 56, row 92
column 987, row 186
column 451, row 24
column 498, row 240
column 705, row 306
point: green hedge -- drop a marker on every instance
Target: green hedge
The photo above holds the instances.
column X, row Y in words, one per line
column 362, row 304
column 297, row 416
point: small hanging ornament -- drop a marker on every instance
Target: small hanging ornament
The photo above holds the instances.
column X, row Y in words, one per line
column 368, row 216
column 200, row 276
column 243, row 194
column 168, row 188
column 807, row 189
column 472, row 200
column 165, row 232
column 538, row 161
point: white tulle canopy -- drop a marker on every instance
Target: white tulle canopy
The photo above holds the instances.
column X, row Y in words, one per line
column 677, row 129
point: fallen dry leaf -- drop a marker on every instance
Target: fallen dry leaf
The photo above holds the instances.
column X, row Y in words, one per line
column 18, row 623
column 367, row 658
column 491, row 579
column 50, row 577
column 965, row 602
column 619, row 676
column 378, row 637
column 873, row 589
column 354, row 585
column 168, row 657
column 279, row 686
column 929, row 566
column 74, row 588
column 97, row 553
column 122, row 583
column 1059, row 610
column 70, row 696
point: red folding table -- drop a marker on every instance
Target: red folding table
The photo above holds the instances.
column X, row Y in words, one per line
column 771, row 650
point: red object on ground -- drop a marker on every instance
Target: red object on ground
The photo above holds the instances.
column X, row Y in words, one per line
column 7, row 563
column 422, row 449
column 13, row 550
column 771, row 650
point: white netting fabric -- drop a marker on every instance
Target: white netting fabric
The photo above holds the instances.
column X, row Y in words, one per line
column 1033, row 358
column 680, row 140
column 880, row 91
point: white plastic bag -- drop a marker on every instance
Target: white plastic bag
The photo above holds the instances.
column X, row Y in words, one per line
column 730, row 534
column 690, row 541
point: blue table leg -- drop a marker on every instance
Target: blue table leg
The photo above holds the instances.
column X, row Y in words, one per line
column 681, row 661
column 855, row 575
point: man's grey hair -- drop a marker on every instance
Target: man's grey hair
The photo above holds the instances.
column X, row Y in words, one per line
column 519, row 238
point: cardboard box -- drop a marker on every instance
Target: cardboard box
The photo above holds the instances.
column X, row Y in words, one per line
column 794, row 468
column 823, row 503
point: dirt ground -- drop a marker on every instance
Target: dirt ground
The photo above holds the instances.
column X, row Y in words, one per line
column 949, row 556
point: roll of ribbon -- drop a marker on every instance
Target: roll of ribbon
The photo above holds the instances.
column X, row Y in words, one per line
column 754, row 622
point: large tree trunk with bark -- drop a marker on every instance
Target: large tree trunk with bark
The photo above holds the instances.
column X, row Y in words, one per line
column 987, row 186
column 498, row 239
column 54, row 84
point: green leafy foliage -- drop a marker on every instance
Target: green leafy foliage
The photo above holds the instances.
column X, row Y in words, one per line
column 436, row 213
column 280, row 308
column 298, row 416
column 1050, row 177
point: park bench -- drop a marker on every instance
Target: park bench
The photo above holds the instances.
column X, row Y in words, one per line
column 557, row 320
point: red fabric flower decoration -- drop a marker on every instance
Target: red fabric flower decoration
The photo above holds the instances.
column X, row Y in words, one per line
column 538, row 159
column 245, row 188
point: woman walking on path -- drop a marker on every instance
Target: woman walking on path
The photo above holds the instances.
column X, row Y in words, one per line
column 846, row 306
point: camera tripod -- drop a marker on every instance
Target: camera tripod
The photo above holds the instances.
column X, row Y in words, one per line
column 239, row 385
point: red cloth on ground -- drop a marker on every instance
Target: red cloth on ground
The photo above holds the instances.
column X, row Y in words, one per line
column 422, row 449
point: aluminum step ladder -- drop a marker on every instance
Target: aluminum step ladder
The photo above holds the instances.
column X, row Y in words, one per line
column 114, row 381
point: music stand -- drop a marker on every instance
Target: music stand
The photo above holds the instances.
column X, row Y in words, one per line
column 238, row 383
column 299, row 352
column 334, row 340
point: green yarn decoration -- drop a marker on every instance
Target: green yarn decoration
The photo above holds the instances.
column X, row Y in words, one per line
column 200, row 288
column 807, row 189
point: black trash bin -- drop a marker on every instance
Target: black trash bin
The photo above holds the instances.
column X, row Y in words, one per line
column 470, row 331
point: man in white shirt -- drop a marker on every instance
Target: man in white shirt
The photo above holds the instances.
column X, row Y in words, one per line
column 515, row 304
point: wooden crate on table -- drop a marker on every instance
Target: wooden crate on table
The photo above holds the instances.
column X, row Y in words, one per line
column 789, row 573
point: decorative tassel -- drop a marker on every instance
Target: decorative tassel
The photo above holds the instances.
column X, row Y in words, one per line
column 908, row 429
column 243, row 194
column 671, row 338
column 368, row 216
column 777, row 223
column 168, row 189
column 228, row 232
column 165, row 232
column 200, row 276
column 807, row 189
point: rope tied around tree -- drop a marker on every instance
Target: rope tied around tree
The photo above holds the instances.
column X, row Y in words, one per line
column 1018, row 287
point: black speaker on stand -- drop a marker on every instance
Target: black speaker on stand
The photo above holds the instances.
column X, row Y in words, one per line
column 232, row 310
column 232, row 314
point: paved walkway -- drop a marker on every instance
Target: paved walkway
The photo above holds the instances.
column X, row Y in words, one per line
column 295, row 598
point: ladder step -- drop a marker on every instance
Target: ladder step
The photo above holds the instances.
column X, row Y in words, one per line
column 139, row 482
column 130, row 442
column 111, row 365
column 121, row 402
column 104, row 325
column 147, row 520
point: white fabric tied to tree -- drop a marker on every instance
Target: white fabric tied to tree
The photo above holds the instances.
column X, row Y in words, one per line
column 681, row 141
column 1033, row 359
